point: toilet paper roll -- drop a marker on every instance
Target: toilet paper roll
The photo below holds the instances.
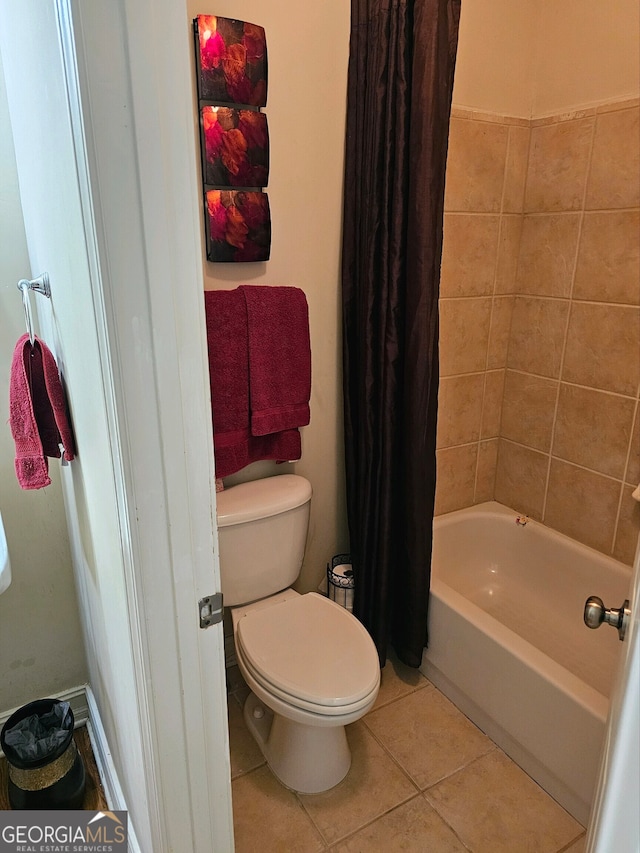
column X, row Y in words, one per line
column 341, row 584
column 344, row 570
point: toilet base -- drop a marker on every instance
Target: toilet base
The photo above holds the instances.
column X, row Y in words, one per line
column 307, row 759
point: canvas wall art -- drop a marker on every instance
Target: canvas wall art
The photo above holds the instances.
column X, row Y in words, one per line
column 236, row 147
column 238, row 226
column 231, row 61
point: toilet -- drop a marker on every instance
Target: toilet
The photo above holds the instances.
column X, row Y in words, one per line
column 311, row 666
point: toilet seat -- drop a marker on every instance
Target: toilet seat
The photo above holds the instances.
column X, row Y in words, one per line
column 311, row 653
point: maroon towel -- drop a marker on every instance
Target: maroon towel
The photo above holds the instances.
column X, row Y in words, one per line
column 279, row 358
column 227, row 342
column 37, row 412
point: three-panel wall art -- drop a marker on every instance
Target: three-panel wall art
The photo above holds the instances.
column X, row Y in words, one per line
column 231, row 66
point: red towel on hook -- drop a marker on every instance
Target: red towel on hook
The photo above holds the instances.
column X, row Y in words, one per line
column 37, row 413
column 227, row 342
column 279, row 358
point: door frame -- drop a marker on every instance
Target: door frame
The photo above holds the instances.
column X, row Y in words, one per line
column 150, row 297
column 129, row 124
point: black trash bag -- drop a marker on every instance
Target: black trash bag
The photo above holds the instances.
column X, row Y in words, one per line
column 38, row 736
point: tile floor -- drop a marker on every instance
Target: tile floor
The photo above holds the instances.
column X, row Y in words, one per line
column 423, row 778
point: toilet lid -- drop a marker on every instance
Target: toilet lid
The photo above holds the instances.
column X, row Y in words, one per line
column 311, row 649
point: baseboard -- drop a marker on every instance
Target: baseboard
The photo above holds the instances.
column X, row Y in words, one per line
column 85, row 712
column 106, row 768
column 76, row 697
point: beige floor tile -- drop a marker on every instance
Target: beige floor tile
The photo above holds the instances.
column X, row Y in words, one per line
column 268, row 818
column 578, row 847
column 427, row 736
column 414, row 827
column 397, row 679
column 373, row 786
column 244, row 752
column 494, row 807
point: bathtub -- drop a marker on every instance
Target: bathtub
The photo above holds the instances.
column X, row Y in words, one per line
column 507, row 643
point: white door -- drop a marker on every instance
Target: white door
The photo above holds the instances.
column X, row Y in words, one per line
column 101, row 111
column 615, row 822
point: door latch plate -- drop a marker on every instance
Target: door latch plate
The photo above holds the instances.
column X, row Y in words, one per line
column 211, row 610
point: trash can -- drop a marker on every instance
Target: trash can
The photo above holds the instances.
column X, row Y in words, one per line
column 46, row 770
column 340, row 581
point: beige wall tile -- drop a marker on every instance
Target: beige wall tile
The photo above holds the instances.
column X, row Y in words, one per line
column 499, row 333
column 492, row 404
column 528, row 407
column 460, row 409
column 633, row 468
column 582, row 504
column 548, row 254
column 516, row 169
column 537, row 335
column 456, row 476
column 558, row 160
column 521, row 476
column 628, row 528
column 614, row 180
column 486, row 476
column 475, row 166
column 508, row 251
column 603, row 343
column 593, row 429
column 608, row 267
column 464, row 335
column 469, row 254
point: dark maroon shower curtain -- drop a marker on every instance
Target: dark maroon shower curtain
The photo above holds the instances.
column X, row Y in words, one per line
column 402, row 58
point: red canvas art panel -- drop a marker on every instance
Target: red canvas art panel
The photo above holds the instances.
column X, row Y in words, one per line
column 238, row 226
column 232, row 61
column 236, row 147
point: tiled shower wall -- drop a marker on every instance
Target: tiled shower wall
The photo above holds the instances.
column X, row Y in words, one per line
column 540, row 324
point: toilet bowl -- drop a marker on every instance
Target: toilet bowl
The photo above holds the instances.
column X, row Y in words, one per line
column 311, row 666
column 312, row 669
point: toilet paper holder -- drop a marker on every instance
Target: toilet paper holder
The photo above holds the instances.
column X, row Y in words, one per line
column 340, row 581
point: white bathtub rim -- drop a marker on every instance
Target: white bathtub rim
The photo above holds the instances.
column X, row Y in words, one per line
column 493, row 509
column 544, row 666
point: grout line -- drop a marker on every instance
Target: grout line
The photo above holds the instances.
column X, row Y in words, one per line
column 568, row 320
column 619, row 394
column 624, row 479
column 564, row 461
column 493, row 308
column 568, row 846
column 350, row 835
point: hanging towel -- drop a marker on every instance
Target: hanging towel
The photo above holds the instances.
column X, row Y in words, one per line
column 37, row 413
column 227, row 343
column 279, row 358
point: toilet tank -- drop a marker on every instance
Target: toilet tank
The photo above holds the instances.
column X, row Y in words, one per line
column 262, row 531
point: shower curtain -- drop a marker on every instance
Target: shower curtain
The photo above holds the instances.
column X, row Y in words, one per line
column 401, row 65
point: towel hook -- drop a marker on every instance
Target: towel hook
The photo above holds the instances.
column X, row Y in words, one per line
column 39, row 285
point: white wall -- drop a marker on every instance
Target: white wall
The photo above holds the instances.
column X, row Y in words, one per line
column 308, row 46
column 533, row 58
column 587, row 53
column 41, row 646
column 495, row 56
